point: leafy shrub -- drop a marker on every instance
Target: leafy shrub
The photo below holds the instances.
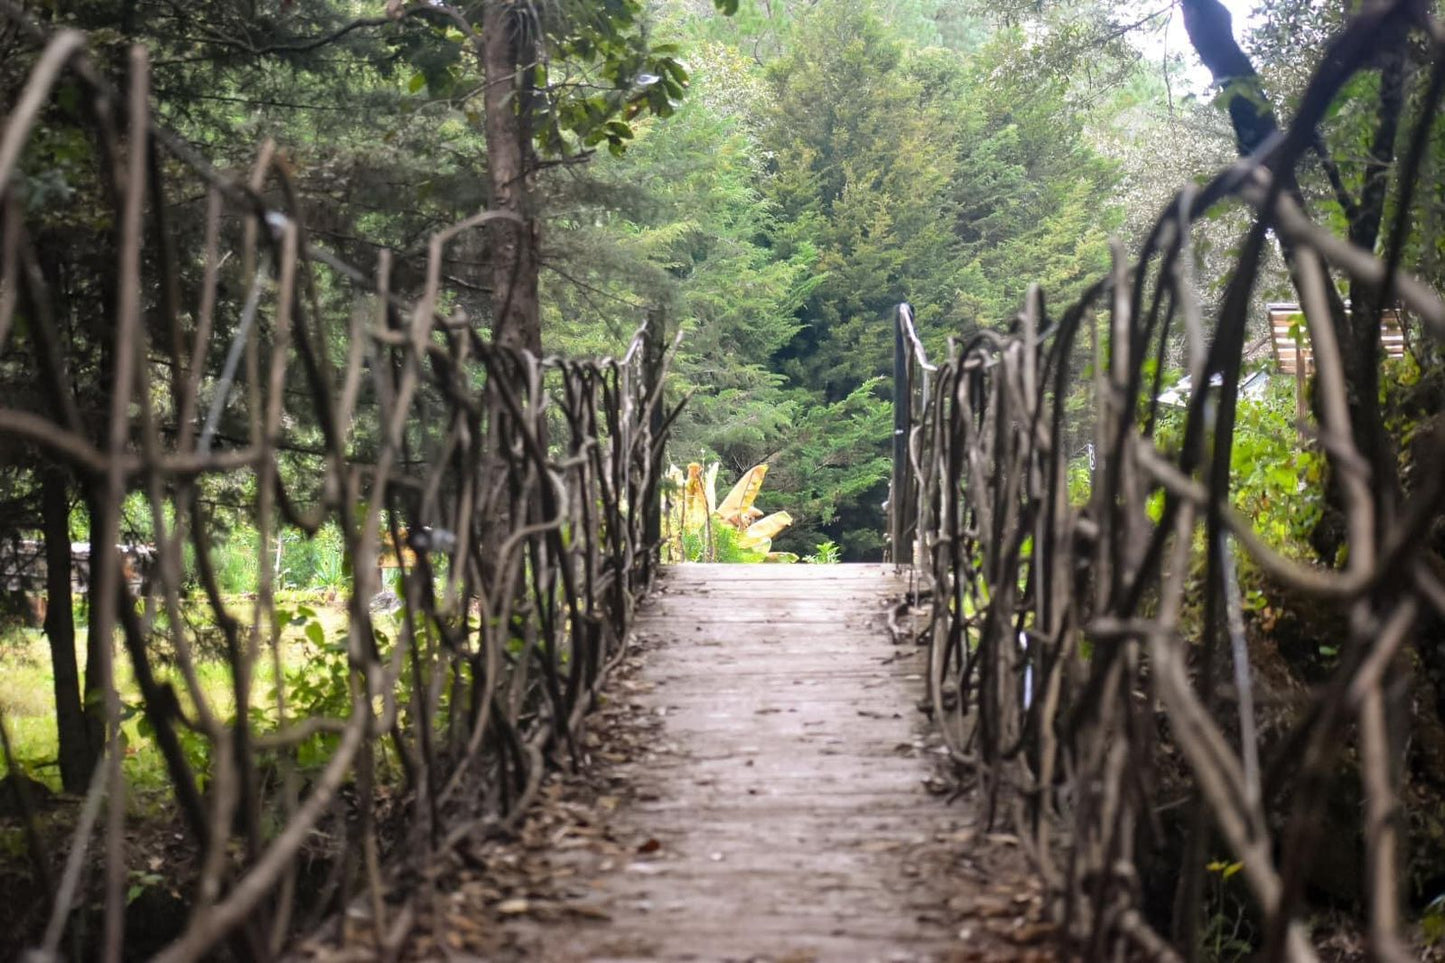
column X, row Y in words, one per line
column 1276, row 472
column 828, row 553
column 318, row 562
column 237, row 563
column 726, row 546
column 1278, row 475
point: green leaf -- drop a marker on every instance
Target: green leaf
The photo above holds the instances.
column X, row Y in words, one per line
column 68, row 97
column 315, row 633
column 416, row 83
column 1282, row 476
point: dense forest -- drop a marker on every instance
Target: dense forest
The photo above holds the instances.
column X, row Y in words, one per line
column 788, row 175
column 760, row 183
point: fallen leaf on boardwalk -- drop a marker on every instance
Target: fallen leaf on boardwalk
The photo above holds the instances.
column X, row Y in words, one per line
column 651, row 846
column 589, row 911
column 465, row 923
column 513, row 907
column 646, row 869
column 453, row 956
column 1031, row 933
column 987, row 907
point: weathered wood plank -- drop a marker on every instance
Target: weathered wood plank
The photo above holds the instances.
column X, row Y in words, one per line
column 709, row 573
column 789, row 792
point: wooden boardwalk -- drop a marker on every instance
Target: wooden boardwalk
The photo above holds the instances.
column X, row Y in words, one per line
column 788, row 807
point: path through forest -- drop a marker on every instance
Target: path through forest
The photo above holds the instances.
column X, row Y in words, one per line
column 781, row 804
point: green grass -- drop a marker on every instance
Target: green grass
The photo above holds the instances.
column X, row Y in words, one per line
column 27, row 698
column 27, row 691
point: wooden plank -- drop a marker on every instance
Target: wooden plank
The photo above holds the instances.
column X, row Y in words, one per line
column 786, row 791
column 716, row 572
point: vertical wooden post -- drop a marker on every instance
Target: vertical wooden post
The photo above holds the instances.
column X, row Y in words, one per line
column 1300, row 408
column 654, row 346
column 898, row 485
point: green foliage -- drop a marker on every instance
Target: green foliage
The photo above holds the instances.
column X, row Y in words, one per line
column 1432, row 921
column 718, row 543
column 140, row 881
column 1276, row 472
column 1080, row 481
column 318, row 562
column 1278, row 476
column 862, row 156
column 835, row 471
column 829, row 161
column 699, row 242
column 1229, row 932
column 236, row 561
column 827, row 553
column 601, row 70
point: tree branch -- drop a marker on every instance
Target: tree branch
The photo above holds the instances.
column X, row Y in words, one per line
column 1337, row 183
column 1211, row 31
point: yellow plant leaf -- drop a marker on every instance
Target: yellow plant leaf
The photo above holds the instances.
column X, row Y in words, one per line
column 733, row 508
column 694, row 511
column 673, row 496
column 711, row 486
column 764, row 530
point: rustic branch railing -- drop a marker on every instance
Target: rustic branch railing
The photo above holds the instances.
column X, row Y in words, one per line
column 504, row 486
column 1060, row 658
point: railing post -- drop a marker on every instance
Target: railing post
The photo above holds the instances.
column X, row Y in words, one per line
column 902, row 413
column 654, row 345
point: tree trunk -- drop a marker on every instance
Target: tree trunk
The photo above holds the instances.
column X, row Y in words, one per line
column 509, row 52
column 1363, row 351
column 77, row 757
column 1358, row 332
column 94, row 678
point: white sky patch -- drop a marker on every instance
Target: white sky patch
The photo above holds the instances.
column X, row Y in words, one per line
column 1172, row 40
